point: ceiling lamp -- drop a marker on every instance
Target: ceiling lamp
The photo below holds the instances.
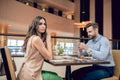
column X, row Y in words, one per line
column 82, row 24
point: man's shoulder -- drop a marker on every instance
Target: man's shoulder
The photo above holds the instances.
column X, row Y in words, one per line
column 104, row 38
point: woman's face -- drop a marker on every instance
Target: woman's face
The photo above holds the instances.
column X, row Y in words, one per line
column 42, row 26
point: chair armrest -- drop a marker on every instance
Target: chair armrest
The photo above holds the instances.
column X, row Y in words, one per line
column 111, row 78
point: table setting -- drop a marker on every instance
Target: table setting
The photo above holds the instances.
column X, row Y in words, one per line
column 71, row 58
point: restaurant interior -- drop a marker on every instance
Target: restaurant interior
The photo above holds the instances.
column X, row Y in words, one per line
column 66, row 20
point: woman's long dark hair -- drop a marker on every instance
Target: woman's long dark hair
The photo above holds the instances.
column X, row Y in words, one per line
column 33, row 31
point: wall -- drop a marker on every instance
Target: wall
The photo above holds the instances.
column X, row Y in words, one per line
column 64, row 5
column 107, row 21
column 19, row 16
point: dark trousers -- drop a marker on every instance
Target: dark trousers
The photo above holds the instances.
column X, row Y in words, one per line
column 92, row 73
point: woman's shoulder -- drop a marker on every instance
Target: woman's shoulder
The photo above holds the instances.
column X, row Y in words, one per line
column 35, row 38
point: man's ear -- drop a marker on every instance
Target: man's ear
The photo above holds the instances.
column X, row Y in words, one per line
column 96, row 30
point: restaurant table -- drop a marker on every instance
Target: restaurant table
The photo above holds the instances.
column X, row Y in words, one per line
column 68, row 63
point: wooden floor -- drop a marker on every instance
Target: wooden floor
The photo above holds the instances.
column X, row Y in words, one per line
column 3, row 78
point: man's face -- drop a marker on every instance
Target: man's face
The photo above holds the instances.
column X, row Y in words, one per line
column 92, row 33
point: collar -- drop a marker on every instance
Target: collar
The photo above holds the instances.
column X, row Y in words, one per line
column 97, row 39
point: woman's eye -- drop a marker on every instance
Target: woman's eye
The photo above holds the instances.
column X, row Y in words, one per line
column 45, row 24
column 40, row 23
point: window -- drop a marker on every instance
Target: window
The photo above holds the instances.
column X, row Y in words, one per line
column 15, row 46
column 68, row 47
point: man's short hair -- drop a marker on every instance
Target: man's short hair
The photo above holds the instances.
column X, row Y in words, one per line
column 94, row 25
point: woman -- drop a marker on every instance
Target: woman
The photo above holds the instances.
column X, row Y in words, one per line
column 37, row 47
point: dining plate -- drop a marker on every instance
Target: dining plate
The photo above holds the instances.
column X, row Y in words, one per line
column 62, row 60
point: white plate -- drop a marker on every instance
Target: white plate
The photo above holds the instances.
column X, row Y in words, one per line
column 78, row 59
column 57, row 57
column 88, row 57
column 62, row 60
column 67, row 57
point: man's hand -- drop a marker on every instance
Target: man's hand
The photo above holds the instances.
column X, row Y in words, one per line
column 82, row 46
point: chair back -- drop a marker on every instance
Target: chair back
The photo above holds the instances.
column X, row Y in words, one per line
column 8, row 64
column 116, row 57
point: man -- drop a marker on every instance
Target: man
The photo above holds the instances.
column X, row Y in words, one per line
column 99, row 48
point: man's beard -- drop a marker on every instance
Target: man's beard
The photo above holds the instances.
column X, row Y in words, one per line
column 93, row 37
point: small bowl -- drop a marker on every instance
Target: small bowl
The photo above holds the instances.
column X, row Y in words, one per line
column 67, row 57
column 57, row 57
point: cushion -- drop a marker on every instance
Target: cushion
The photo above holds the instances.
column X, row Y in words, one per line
column 49, row 75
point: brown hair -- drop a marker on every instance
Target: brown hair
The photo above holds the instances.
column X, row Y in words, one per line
column 33, row 31
column 94, row 25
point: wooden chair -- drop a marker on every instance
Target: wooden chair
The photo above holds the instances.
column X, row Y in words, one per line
column 8, row 64
column 116, row 56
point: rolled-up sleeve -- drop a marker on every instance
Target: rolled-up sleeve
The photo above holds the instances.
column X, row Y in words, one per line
column 101, row 50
